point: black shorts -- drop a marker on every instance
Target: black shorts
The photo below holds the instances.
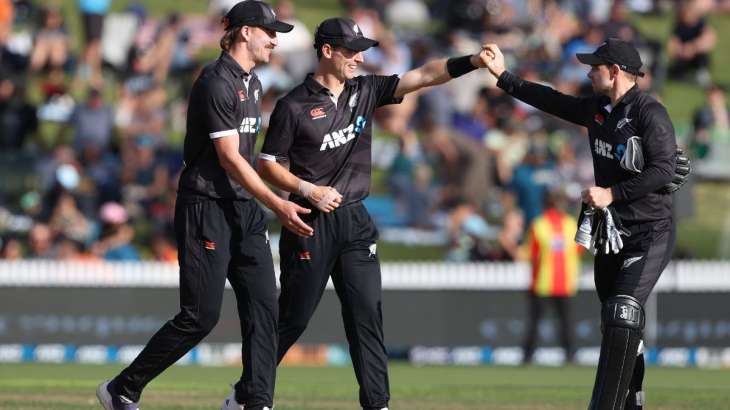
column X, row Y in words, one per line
column 636, row 269
column 93, row 24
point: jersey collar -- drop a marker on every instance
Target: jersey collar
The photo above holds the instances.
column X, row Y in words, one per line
column 233, row 65
column 316, row 88
column 630, row 95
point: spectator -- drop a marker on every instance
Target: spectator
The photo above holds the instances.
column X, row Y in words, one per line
column 40, row 242
column 162, row 249
column 711, row 123
column 93, row 123
column 691, row 43
column 531, row 178
column 115, row 243
column 10, row 248
column 73, row 251
column 92, row 15
column 68, row 221
column 144, row 176
column 555, row 266
column 17, row 116
column 52, row 42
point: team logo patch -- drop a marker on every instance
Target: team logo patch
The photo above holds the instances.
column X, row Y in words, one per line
column 210, row 245
column 630, row 261
column 623, row 312
column 256, row 94
column 373, row 248
column 305, row 256
column 622, row 122
column 352, row 102
column 317, row 113
column 241, row 95
column 598, row 118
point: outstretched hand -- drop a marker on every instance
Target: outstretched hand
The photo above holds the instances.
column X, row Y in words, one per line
column 493, row 59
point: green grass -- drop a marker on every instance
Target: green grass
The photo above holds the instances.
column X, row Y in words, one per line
column 44, row 386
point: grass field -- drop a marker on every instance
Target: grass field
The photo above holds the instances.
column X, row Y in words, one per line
column 47, row 386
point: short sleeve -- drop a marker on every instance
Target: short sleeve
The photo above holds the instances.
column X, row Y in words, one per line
column 280, row 134
column 384, row 89
column 220, row 109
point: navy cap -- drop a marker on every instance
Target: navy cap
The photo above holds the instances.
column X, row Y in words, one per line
column 614, row 51
column 254, row 13
column 339, row 31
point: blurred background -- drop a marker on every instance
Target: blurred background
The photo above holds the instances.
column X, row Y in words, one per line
column 93, row 98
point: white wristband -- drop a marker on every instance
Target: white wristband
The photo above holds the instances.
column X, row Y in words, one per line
column 305, row 188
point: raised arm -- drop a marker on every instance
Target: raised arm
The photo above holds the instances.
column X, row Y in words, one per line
column 544, row 98
column 438, row 72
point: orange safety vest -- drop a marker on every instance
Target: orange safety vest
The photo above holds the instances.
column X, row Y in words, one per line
column 553, row 254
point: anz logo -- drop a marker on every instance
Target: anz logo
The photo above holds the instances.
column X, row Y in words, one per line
column 250, row 125
column 341, row 137
column 607, row 150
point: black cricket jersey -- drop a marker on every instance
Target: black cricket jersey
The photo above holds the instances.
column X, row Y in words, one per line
column 328, row 143
column 635, row 196
column 224, row 101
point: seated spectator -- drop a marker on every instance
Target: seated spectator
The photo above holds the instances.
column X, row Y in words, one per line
column 115, row 243
column 163, row 249
column 73, row 251
column 40, row 242
column 691, row 43
column 711, row 122
column 17, row 116
column 68, row 221
column 531, row 178
column 52, row 43
column 93, row 122
column 145, row 176
column 10, row 248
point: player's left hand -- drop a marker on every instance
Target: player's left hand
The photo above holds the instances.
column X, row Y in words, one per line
column 597, row 197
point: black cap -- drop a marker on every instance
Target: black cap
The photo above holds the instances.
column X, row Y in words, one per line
column 614, row 51
column 339, row 31
column 256, row 14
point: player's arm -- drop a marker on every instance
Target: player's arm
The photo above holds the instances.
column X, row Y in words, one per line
column 437, row 72
column 325, row 198
column 239, row 169
column 544, row 98
column 659, row 147
column 278, row 140
column 222, row 123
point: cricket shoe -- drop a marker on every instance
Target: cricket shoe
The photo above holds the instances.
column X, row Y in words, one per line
column 230, row 403
column 113, row 402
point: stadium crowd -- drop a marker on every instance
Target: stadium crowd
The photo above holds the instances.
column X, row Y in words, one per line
column 91, row 136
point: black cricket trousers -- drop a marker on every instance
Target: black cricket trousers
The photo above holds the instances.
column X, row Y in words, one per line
column 217, row 239
column 343, row 247
column 637, row 267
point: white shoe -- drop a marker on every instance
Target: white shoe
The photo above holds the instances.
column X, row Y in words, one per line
column 110, row 402
column 230, row 403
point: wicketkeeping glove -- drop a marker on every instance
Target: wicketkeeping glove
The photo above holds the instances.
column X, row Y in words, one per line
column 681, row 173
column 614, row 243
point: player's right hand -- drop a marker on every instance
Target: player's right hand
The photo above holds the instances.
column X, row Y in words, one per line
column 288, row 214
column 494, row 60
column 325, row 198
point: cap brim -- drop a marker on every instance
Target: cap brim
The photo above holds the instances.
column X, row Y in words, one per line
column 278, row 26
column 360, row 44
column 590, row 59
